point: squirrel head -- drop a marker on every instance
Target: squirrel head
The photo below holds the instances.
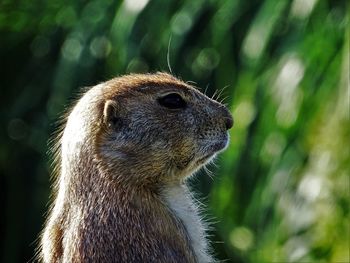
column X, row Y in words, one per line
column 158, row 128
column 147, row 129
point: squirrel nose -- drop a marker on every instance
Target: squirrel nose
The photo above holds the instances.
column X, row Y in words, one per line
column 228, row 119
column 228, row 122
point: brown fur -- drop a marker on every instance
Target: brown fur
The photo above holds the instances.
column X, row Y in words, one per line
column 122, row 159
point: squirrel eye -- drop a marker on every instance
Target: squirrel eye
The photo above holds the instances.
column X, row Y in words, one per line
column 172, row 101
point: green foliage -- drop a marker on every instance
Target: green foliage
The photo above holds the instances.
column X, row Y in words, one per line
column 280, row 192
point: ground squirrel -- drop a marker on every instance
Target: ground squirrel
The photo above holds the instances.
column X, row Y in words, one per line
column 126, row 150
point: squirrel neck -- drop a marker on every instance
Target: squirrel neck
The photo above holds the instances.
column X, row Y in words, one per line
column 118, row 214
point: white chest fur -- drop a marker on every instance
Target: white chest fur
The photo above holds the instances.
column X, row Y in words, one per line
column 182, row 204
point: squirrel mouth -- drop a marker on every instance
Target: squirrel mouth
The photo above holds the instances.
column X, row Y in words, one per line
column 212, row 148
column 220, row 145
column 205, row 159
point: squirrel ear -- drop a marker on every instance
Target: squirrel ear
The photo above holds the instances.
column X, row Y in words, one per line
column 110, row 116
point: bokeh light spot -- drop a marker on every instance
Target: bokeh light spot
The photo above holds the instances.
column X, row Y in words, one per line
column 242, row 238
column 274, row 145
column 286, row 92
column 244, row 114
column 137, row 65
column 71, row 49
column 100, row 47
column 310, row 187
column 302, row 8
column 66, row 17
column 135, row 6
column 181, row 23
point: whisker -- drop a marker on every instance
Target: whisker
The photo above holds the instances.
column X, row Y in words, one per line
column 222, row 91
column 206, row 89
column 193, row 83
column 168, row 55
column 222, row 101
column 215, row 93
column 209, row 173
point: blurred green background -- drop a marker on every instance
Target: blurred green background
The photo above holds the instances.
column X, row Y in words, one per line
column 280, row 193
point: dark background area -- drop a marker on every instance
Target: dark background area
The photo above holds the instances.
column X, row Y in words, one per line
column 280, row 193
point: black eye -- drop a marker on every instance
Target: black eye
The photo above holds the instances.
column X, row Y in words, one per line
column 172, row 101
